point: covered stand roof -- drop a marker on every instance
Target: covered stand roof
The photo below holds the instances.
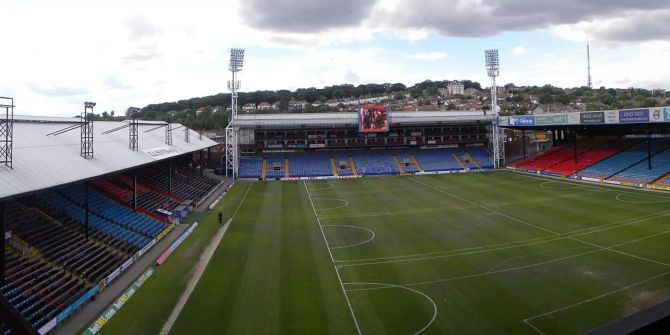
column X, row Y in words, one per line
column 42, row 161
column 339, row 120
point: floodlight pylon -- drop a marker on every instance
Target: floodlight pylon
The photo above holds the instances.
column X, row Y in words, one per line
column 232, row 148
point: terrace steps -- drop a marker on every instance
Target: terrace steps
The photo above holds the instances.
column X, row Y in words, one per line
column 353, row 166
column 458, row 160
column 334, row 167
column 286, row 167
column 397, row 162
column 473, row 160
column 416, row 162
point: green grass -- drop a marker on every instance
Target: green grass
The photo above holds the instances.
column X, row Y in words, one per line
column 469, row 253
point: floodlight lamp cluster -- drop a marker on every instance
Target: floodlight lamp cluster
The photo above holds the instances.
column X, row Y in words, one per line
column 236, row 60
column 89, row 104
column 492, row 62
column 133, row 111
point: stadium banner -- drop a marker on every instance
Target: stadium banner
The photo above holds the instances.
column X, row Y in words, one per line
column 146, row 248
column 656, row 115
column 119, row 270
column 164, row 232
column 592, row 118
column 613, row 182
column 373, row 119
column 551, row 119
column 162, row 152
column 521, row 120
column 503, row 120
column 634, row 115
column 47, row 327
column 611, row 117
column 95, row 327
column 175, row 244
column 660, row 187
column 550, row 174
column 573, row 118
column 77, row 303
column 590, row 179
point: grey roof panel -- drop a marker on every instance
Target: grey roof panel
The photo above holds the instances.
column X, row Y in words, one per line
column 42, row 161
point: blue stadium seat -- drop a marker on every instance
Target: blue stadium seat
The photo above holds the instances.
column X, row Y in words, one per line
column 437, row 161
column 375, row 164
column 310, row 166
column 250, row 167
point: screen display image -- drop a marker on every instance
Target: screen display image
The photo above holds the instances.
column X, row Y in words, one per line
column 373, row 119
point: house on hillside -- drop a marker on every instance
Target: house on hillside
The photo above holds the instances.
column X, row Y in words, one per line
column 264, row 106
column 248, row 108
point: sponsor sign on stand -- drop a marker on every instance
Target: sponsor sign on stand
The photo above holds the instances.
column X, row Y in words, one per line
column 611, row 117
column 95, row 327
column 573, row 118
column 119, row 270
column 592, row 118
column 521, row 120
column 656, row 115
column 634, row 115
column 162, row 152
column 76, row 304
column 176, row 244
column 551, row 119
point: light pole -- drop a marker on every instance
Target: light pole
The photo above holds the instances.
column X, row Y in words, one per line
column 235, row 66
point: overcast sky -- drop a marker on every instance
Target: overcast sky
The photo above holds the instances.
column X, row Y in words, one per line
column 57, row 54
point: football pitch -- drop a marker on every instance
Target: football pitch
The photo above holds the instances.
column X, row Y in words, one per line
column 483, row 253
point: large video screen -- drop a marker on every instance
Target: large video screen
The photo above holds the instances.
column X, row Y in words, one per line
column 373, row 119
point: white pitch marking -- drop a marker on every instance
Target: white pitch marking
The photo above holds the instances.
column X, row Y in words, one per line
column 330, row 185
column 571, row 185
column 484, row 207
column 521, row 243
column 527, row 320
column 412, row 290
column 337, row 271
column 618, row 197
column 522, row 267
column 355, row 244
column 346, row 203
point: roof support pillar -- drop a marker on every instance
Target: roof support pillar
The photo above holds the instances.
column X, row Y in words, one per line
column 135, row 191
column 648, row 148
column 574, row 144
column 523, row 141
column 2, row 244
column 86, row 219
column 170, row 176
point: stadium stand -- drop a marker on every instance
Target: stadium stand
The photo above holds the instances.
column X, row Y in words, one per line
column 250, row 167
column 343, row 166
column 310, row 166
column 621, row 161
column 187, row 183
column 482, row 157
column 640, row 172
column 407, row 162
column 437, row 161
column 275, row 167
column 375, row 164
column 590, row 157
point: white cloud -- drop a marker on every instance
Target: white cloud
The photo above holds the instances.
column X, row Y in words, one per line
column 519, row 50
column 126, row 53
column 429, row 56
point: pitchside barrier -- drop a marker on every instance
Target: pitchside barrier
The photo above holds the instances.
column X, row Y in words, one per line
column 363, row 175
column 203, row 199
column 105, row 282
column 594, row 180
column 175, row 244
column 95, row 327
